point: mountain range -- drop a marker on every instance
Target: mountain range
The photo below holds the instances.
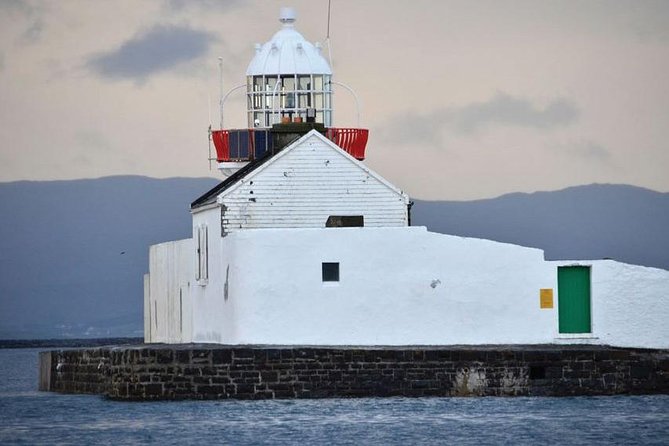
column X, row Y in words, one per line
column 598, row 221
column 73, row 253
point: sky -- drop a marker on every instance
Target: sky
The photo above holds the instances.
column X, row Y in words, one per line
column 464, row 99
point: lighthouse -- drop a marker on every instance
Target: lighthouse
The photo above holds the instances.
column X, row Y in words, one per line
column 289, row 91
column 302, row 243
column 305, row 270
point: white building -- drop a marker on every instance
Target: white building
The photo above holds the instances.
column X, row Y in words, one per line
column 303, row 244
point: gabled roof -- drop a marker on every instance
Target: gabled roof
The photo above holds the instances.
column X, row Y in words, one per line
column 236, row 178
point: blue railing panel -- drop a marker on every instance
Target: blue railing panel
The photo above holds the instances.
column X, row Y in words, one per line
column 263, row 143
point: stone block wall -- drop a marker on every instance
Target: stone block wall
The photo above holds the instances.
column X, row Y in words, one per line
column 260, row 372
column 76, row 371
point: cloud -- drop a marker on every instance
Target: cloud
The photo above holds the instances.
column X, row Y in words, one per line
column 94, row 149
column 33, row 33
column 647, row 19
column 414, row 128
column 592, row 151
column 508, row 110
column 583, row 150
column 22, row 10
column 500, row 110
column 19, row 6
column 92, row 139
column 157, row 50
column 207, row 5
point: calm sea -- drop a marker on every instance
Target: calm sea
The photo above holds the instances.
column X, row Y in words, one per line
column 31, row 417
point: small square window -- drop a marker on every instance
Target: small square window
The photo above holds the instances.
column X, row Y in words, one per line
column 330, row 272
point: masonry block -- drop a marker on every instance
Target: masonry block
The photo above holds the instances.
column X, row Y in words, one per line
column 219, row 372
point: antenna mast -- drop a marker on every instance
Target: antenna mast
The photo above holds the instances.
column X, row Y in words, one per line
column 329, row 3
column 209, row 131
column 327, row 38
column 220, row 89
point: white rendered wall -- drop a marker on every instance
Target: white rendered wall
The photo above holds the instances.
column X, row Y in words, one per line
column 629, row 304
column 213, row 310
column 305, row 184
column 168, row 292
column 147, row 309
column 399, row 286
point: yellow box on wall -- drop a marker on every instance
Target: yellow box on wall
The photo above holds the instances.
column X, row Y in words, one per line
column 546, row 298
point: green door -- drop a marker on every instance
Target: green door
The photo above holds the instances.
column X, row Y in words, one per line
column 574, row 299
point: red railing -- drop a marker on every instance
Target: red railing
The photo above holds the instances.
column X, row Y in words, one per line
column 221, row 140
column 353, row 141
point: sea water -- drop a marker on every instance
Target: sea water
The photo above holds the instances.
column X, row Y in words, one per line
column 31, row 417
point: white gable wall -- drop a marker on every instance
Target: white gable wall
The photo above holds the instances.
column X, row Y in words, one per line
column 305, row 184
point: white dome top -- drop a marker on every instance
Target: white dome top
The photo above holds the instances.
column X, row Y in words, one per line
column 288, row 53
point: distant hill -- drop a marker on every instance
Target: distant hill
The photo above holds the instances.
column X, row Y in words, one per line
column 73, row 253
column 68, row 342
column 625, row 223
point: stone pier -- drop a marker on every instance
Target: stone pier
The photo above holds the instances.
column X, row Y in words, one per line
column 207, row 371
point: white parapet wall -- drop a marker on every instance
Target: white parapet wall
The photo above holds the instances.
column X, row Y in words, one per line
column 630, row 305
column 167, row 300
column 397, row 286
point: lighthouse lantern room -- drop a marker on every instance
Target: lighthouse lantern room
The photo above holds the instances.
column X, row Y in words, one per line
column 289, row 91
